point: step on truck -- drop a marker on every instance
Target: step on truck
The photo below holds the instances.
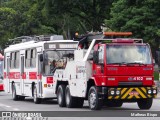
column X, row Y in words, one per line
column 109, row 72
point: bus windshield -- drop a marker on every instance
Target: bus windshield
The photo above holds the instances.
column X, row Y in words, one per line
column 56, row 59
column 128, row 54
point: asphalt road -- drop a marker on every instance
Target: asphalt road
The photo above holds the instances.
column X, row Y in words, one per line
column 7, row 104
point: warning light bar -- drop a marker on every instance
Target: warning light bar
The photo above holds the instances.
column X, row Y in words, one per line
column 117, row 33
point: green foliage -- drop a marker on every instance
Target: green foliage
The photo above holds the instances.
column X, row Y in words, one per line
column 34, row 17
column 138, row 16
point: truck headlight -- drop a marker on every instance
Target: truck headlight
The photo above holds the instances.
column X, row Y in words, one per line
column 117, row 92
column 149, row 91
column 112, row 92
column 154, row 91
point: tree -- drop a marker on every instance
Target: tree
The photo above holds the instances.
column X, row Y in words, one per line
column 89, row 12
column 7, row 16
column 140, row 17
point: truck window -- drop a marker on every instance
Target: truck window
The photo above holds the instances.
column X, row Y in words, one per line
column 128, row 54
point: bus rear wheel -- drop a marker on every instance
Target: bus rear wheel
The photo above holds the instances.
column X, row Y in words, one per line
column 35, row 96
column 145, row 103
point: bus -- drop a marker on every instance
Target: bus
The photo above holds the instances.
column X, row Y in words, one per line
column 25, row 74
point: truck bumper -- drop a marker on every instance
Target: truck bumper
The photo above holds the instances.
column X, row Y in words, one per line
column 131, row 93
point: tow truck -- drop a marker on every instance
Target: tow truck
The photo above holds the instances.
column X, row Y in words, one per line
column 109, row 72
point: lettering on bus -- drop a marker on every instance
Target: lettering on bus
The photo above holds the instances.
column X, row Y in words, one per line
column 60, row 45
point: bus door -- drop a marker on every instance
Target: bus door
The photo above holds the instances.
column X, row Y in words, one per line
column 23, row 75
column 39, row 76
column 7, row 85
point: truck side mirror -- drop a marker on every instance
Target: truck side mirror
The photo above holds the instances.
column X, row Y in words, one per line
column 95, row 57
column 41, row 57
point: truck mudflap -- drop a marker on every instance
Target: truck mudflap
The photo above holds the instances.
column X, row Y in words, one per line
column 132, row 93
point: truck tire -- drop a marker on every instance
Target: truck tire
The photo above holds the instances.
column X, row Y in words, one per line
column 70, row 101
column 61, row 95
column 114, row 103
column 35, row 97
column 95, row 103
column 145, row 103
column 14, row 95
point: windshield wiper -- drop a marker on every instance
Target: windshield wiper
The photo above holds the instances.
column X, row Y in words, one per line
column 119, row 63
column 139, row 63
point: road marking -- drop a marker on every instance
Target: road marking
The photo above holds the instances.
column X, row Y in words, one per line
column 16, row 109
column 8, row 106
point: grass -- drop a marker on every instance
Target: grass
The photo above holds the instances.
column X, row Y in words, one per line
column 156, row 76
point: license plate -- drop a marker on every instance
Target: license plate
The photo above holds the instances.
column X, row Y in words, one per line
column 134, row 93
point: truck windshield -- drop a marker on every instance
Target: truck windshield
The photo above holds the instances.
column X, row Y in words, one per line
column 128, row 54
column 56, row 60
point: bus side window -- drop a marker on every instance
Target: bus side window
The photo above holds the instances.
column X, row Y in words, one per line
column 27, row 58
column 12, row 60
column 33, row 58
column 16, row 61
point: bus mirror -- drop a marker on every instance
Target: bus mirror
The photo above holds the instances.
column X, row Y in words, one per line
column 95, row 57
column 41, row 57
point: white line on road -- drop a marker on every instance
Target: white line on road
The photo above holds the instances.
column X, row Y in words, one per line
column 16, row 109
column 8, row 106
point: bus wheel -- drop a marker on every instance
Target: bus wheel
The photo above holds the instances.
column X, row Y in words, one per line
column 145, row 103
column 61, row 95
column 35, row 97
column 70, row 101
column 14, row 95
column 95, row 103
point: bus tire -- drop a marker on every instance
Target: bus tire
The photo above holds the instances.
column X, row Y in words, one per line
column 61, row 95
column 14, row 95
column 145, row 103
column 95, row 103
column 70, row 101
column 35, row 97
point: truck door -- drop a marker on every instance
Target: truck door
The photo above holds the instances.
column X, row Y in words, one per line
column 99, row 67
column 22, row 76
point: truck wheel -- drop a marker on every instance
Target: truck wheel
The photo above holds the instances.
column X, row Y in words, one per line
column 145, row 103
column 61, row 95
column 94, row 102
column 14, row 95
column 70, row 101
column 35, row 97
column 114, row 103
